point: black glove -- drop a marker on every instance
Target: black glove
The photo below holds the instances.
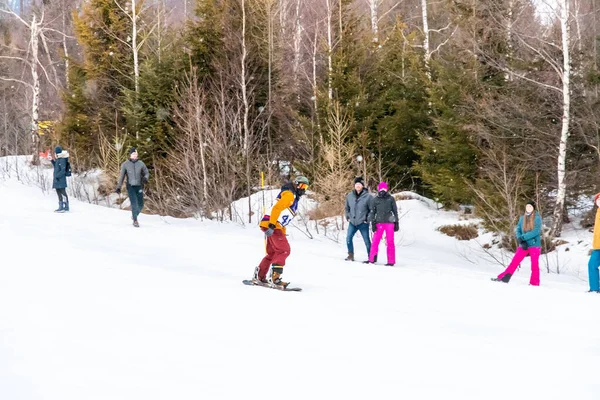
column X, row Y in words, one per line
column 270, row 231
column 374, row 226
column 118, row 190
column 396, row 226
column 144, row 180
column 524, row 245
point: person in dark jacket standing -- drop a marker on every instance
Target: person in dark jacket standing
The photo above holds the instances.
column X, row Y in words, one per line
column 62, row 169
column 137, row 176
column 384, row 219
column 529, row 239
column 358, row 205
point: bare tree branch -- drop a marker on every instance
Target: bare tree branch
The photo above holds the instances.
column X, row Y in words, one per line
column 16, row 80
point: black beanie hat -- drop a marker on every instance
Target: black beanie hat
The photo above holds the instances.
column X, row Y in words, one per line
column 359, row 180
column 532, row 203
column 132, row 150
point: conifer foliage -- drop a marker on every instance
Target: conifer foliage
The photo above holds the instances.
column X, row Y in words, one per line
column 483, row 103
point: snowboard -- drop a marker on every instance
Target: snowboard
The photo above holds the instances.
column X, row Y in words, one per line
column 266, row 285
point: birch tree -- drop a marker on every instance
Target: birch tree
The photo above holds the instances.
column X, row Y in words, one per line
column 297, row 41
column 566, row 119
column 329, row 28
column 426, row 49
column 246, row 106
column 374, row 9
column 30, row 59
column 139, row 32
column 540, row 47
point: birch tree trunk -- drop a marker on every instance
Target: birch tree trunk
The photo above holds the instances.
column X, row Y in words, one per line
column 426, row 47
column 509, row 29
column 566, row 118
column 134, row 48
column 315, row 87
column 246, row 106
column 297, row 44
column 329, row 50
column 374, row 6
column 5, row 122
column 64, row 42
column 35, row 98
column 340, row 19
column 283, row 10
column 200, row 128
column 595, row 57
column 271, row 49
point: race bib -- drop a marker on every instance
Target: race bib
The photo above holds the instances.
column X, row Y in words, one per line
column 286, row 217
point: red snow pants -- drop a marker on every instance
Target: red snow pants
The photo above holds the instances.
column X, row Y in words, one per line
column 278, row 250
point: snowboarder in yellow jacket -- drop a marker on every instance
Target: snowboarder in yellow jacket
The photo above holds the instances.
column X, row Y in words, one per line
column 273, row 225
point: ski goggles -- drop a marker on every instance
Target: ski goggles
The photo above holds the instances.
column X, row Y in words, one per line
column 302, row 186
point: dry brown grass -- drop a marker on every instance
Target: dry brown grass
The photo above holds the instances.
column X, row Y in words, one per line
column 460, row 232
column 589, row 218
column 106, row 185
column 399, row 197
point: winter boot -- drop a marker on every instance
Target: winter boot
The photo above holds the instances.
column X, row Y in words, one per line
column 255, row 279
column 350, row 257
column 61, row 207
column 135, row 223
column 275, row 277
column 374, row 260
column 389, row 265
column 66, row 204
column 505, row 278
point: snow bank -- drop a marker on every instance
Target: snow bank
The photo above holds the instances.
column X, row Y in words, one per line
column 82, row 186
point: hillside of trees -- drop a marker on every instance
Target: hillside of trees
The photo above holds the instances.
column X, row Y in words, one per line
column 481, row 102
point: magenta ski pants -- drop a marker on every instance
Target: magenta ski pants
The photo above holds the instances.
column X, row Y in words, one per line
column 388, row 228
column 534, row 253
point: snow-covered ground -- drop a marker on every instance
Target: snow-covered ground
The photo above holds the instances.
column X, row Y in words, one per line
column 93, row 308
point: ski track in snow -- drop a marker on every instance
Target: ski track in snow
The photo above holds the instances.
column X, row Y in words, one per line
column 92, row 308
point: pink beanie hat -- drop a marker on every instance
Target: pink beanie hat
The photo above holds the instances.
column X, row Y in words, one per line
column 382, row 186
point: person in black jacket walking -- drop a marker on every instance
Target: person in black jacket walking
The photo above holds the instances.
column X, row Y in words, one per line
column 137, row 176
column 358, row 205
column 62, row 169
column 384, row 218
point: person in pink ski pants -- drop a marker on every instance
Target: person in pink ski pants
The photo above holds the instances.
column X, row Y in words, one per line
column 384, row 219
column 528, row 233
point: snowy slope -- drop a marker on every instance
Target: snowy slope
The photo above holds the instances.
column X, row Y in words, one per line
column 92, row 308
column 84, row 187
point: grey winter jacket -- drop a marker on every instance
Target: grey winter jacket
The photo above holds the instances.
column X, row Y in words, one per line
column 383, row 209
column 60, row 170
column 136, row 171
column 358, row 206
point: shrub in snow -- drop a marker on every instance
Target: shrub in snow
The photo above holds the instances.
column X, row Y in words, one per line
column 460, row 232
